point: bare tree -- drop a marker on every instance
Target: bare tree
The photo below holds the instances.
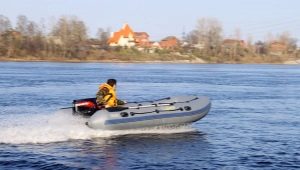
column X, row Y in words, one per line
column 191, row 37
column 33, row 29
column 210, row 34
column 269, row 38
column 237, row 33
column 287, row 39
column 72, row 32
column 284, row 37
column 250, row 44
column 4, row 24
column 103, row 36
column 78, row 30
column 22, row 24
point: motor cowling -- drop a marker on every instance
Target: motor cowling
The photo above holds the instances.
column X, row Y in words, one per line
column 85, row 107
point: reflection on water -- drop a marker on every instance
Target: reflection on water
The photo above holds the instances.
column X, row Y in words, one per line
column 146, row 151
column 120, row 151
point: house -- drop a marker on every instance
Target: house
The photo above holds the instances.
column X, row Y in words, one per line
column 233, row 43
column 124, row 37
column 155, row 45
column 277, row 48
column 12, row 34
column 142, row 39
column 233, row 48
column 170, row 42
column 199, row 45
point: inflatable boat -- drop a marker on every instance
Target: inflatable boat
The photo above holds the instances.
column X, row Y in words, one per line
column 178, row 110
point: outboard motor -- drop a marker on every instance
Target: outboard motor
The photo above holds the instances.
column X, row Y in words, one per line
column 85, row 107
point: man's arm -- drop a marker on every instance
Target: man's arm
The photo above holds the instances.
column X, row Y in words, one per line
column 100, row 96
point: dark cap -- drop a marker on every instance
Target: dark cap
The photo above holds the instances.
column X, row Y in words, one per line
column 111, row 82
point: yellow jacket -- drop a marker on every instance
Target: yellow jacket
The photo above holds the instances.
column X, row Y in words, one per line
column 109, row 98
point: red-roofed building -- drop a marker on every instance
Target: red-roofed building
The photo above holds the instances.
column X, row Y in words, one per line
column 124, row 37
column 277, row 48
column 170, row 42
column 233, row 48
column 142, row 39
column 229, row 43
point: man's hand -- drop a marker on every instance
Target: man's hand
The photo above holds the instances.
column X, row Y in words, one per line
column 120, row 102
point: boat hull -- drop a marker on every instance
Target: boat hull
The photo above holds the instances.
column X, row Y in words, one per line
column 170, row 111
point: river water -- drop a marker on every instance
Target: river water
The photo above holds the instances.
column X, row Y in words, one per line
column 254, row 122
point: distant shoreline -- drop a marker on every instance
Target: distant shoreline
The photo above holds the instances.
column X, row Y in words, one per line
column 292, row 62
column 105, row 61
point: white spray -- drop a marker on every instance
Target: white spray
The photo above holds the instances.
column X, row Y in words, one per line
column 60, row 126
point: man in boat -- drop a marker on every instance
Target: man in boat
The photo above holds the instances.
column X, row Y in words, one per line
column 106, row 96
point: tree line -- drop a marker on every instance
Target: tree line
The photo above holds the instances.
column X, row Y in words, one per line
column 67, row 38
column 208, row 34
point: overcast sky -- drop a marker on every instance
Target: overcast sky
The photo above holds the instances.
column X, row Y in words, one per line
column 161, row 18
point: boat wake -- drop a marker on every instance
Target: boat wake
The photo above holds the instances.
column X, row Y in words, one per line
column 62, row 126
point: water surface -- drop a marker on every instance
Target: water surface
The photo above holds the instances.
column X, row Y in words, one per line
column 253, row 124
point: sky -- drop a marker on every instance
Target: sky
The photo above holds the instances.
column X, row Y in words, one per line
column 161, row 18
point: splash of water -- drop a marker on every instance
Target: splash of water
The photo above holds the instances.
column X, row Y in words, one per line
column 62, row 126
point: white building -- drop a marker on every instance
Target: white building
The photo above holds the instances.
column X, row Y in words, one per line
column 123, row 38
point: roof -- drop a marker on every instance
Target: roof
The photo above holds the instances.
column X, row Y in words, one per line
column 169, row 38
column 234, row 42
column 277, row 46
column 277, row 43
column 125, row 31
column 229, row 41
column 138, row 34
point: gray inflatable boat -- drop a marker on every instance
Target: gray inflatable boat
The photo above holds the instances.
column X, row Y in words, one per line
column 169, row 111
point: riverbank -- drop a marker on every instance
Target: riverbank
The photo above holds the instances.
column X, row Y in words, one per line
column 194, row 61
column 103, row 61
column 161, row 56
column 292, row 62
